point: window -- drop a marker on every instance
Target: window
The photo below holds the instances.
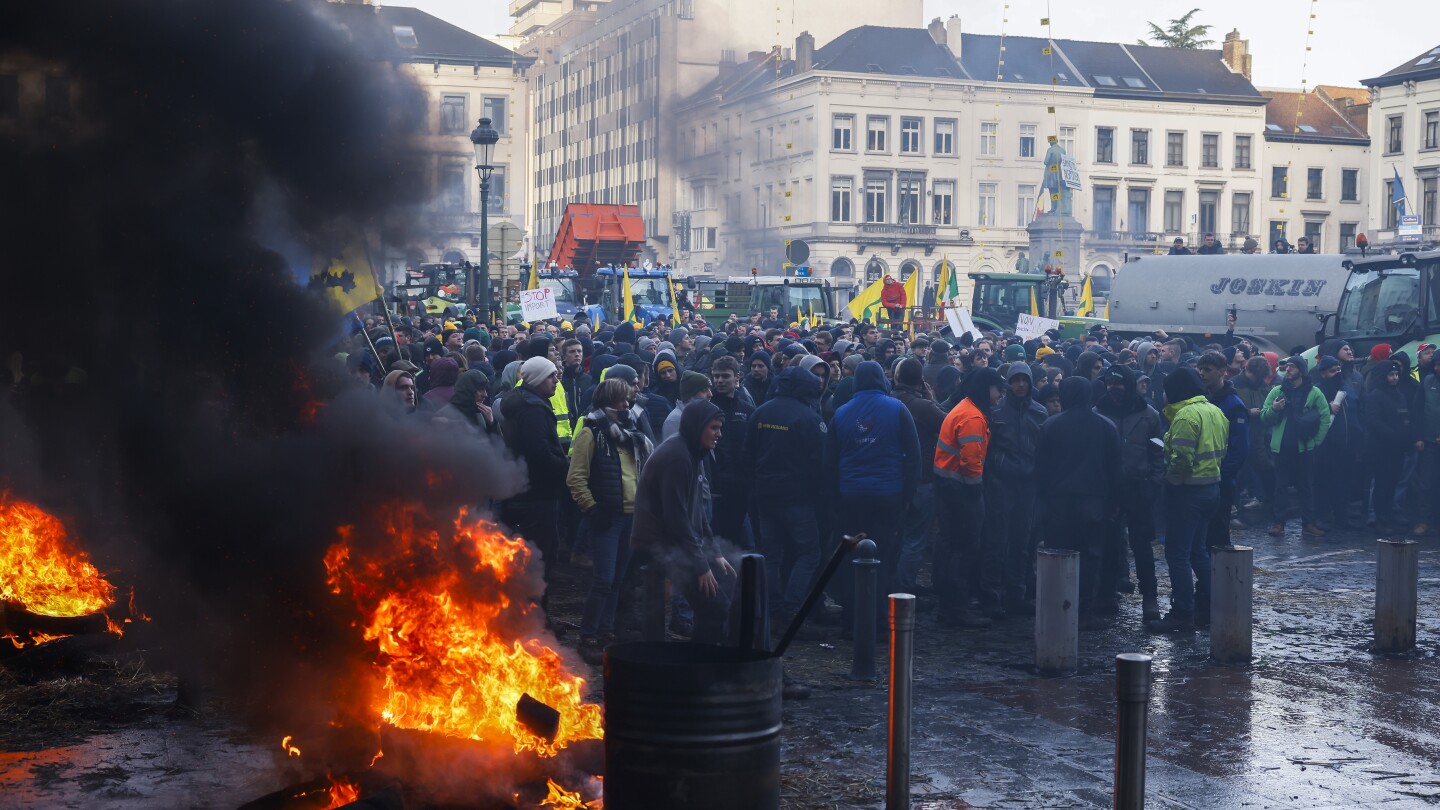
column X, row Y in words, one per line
column 452, row 115
column 1240, row 214
column 1174, row 211
column 1394, row 134
column 493, row 107
column 907, row 198
column 1174, row 149
column 1314, row 184
column 841, row 193
column 1313, row 232
column 1242, row 151
column 877, row 129
column 405, row 36
column 1428, row 200
column 985, row 211
column 1210, row 151
column 1104, row 209
column 702, row 238
column 1432, row 131
column 1067, row 140
column 1027, row 140
column 1139, row 210
column 9, row 96
column 452, row 186
column 1104, row 144
column 1104, row 81
column 875, row 190
column 1390, row 211
column 944, row 137
column 1279, row 182
column 909, row 136
column 942, row 211
column 1140, row 147
column 702, row 196
column 497, row 192
column 1025, row 205
column 1349, row 183
column 1278, row 228
column 1209, row 211
column 989, row 134
column 842, row 133
column 1347, row 236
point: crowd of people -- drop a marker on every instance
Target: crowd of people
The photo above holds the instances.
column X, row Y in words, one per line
column 684, row 446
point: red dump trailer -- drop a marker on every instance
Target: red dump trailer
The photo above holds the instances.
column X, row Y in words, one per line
column 593, row 235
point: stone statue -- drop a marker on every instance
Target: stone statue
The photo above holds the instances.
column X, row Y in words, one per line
column 1053, row 184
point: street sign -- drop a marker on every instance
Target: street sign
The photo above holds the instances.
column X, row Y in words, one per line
column 1069, row 172
column 796, row 251
column 1409, row 230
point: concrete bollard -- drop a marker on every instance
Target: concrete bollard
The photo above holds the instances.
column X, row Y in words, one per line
column 1132, row 706
column 1057, row 611
column 1397, row 581
column 867, row 572
column 902, row 656
column 1232, row 576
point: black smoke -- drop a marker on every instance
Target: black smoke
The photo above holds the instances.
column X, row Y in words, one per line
column 170, row 390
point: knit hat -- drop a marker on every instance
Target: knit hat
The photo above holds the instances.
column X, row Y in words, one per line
column 1043, row 352
column 1326, row 362
column 662, row 363
column 1014, row 352
column 537, row 370
column 852, row 362
column 434, row 346
column 841, row 346
column 678, row 333
column 1298, row 362
column 1380, row 352
column 809, row 361
column 691, row 384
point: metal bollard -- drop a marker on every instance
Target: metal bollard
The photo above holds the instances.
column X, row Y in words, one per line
column 1132, row 705
column 902, row 657
column 1232, row 575
column 867, row 571
column 653, row 628
column 1397, row 579
column 754, row 626
column 1057, row 611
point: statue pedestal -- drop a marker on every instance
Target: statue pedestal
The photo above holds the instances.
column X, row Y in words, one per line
column 1055, row 239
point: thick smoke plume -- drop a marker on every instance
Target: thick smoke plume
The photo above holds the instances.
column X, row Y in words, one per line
column 163, row 363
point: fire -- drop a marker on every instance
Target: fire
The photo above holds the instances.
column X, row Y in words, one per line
column 562, row 799
column 41, row 569
column 288, row 746
column 342, row 792
column 439, row 603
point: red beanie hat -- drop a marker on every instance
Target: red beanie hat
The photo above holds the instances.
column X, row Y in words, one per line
column 1380, row 352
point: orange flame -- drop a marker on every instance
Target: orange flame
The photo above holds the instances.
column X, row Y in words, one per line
column 41, row 569
column 288, row 747
column 342, row 792
column 435, row 602
column 562, row 799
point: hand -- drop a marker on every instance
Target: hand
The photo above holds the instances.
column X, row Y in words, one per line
column 485, row 413
column 725, row 566
column 1334, row 407
column 1255, row 412
column 708, row 586
column 1278, row 405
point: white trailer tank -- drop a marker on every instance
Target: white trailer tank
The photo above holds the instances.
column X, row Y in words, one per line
column 1277, row 300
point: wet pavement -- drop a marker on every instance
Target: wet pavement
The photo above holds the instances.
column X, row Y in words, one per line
column 1316, row 721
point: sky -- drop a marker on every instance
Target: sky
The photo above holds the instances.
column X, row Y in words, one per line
column 1353, row 39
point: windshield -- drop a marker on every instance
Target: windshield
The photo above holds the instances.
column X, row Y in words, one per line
column 806, row 300
column 1379, row 304
column 562, row 288
column 1002, row 298
column 650, row 291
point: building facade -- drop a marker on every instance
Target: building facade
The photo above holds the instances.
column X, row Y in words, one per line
column 1405, row 121
column 1317, row 166
column 889, row 150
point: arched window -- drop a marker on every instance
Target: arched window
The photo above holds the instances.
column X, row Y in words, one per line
column 1100, row 277
column 910, row 266
column 939, row 268
column 875, row 269
column 842, row 268
column 453, row 256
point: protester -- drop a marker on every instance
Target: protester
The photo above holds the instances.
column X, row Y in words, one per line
column 960, row 453
column 1142, row 470
column 529, row 432
column 1298, row 417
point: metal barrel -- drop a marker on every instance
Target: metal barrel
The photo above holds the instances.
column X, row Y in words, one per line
column 1057, row 611
column 902, row 658
column 1132, row 703
column 1397, row 581
column 867, row 572
column 1232, row 574
column 691, row 725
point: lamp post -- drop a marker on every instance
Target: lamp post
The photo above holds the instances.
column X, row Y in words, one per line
column 484, row 137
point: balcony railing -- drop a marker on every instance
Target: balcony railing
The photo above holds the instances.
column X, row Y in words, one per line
column 885, row 229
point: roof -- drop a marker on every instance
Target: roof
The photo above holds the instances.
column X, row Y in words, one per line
column 894, row 51
column 1425, row 66
column 403, row 34
column 1317, row 121
column 1193, row 72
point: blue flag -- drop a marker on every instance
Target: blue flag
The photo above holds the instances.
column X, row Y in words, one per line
column 1397, row 196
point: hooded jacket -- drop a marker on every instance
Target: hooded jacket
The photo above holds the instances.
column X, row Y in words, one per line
column 873, row 440
column 1280, row 422
column 461, row 408
column 1196, row 440
column 1391, row 422
column 965, row 435
column 529, row 432
column 759, row 389
column 1079, row 453
column 662, row 396
column 672, row 498
column 1238, row 443
column 1015, row 433
column 574, row 384
column 928, row 416
column 1345, row 429
column 1137, row 424
column 732, row 456
column 787, row 439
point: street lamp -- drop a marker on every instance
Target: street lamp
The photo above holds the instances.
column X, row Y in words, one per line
column 484, row 137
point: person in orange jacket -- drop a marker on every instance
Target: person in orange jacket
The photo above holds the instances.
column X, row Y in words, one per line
column 892, row 297
column 959, row 475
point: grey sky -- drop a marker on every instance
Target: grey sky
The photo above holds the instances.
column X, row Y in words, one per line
column 1354, row 39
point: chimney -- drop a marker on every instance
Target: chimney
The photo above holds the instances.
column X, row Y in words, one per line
column 1236, row 53
column 937, row 31
column 952, row 35
column 804, row 52
column 727, row 62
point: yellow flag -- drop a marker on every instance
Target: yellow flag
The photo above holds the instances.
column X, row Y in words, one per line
column 1034, row 307
column 1087, row 300
column 811, row 302
column 1107, row 309
column 674, row 302
column 346, row 277
column 910, row 297
column 629, row 313
column 862, row 307
column 534, row 282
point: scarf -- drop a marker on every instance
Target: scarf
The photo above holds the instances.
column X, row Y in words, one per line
column 621, row 431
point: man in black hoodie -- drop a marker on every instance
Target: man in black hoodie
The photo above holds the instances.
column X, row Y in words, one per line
column 671, row 501
column 732, row 460
column 529, row 432
column 1006, row 557
column 914, row 394
column 787, row 449
column 1079, row 453
column 1142, row 468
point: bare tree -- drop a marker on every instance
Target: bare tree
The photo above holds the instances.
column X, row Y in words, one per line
column 1180, row 33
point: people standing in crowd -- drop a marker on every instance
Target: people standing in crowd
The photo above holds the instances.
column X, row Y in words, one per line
column 1210, row 247
column 1222, row 394
column 1338, row 452
column 1010, row 490
column 529, row 433
column 1298, row 417
column 1392, row 430
column 912, row 391
column 693, row 386
column 960, row 453
column 1142, row 471
column 730, row 493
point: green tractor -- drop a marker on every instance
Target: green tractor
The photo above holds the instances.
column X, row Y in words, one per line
column 1392, row 298
column 1001, row 298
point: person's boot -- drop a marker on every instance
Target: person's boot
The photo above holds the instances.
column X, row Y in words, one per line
column 1174, row 622
column 1150, row 608
column 1277, row 530
column 1313, row 530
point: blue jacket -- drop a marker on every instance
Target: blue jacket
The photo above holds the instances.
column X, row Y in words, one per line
column 873, row 439
column 1230, row 404
column 786, row 441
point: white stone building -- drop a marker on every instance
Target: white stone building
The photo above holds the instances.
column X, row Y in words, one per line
column 1317, row 166
column 1405, row 122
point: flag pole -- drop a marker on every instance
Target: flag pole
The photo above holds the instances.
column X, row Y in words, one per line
column 354, row 313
